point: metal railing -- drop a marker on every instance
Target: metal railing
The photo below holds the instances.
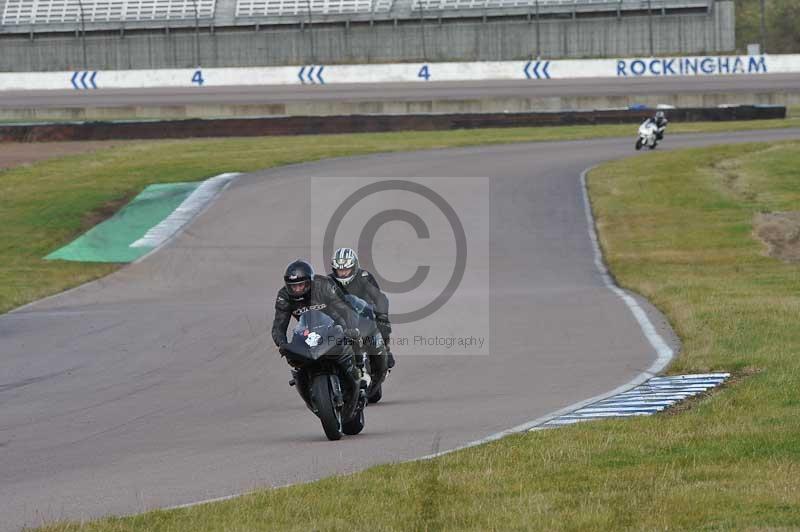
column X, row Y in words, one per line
column 32, row 12
column 279, row 8
column 586, row 5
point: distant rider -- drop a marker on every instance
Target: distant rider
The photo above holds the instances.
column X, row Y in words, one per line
column 661, row 122
column 304, row 291
column 352, row 279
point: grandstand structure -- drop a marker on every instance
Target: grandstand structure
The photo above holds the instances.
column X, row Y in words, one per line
column 47, row 16
column 114, row 33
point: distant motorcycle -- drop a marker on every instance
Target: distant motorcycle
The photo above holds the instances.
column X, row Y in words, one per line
column 372, row 351
column 317, row 351
column 648, row 135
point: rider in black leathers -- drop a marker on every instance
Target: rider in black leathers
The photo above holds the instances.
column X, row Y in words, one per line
column 304, row 291
column 352, row 279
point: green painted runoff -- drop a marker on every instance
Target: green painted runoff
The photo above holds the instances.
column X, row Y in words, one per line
column 110, row 240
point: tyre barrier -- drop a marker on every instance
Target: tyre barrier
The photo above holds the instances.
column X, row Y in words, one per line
column 318, row 125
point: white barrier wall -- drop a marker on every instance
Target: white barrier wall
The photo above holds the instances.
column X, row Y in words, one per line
column 535, row 71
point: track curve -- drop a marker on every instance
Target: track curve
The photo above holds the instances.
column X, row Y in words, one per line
column 157, row 385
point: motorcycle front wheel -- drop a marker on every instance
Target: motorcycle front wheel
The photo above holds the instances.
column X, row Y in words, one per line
column 326, row 409
column 355, row 425
column 638, row 144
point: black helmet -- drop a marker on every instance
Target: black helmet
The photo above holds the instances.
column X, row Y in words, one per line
column 298, row 278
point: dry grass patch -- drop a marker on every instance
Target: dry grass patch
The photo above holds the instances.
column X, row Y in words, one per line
column 780, row 233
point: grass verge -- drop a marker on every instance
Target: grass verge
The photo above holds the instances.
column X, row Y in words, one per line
column 47, row 204
column 676, row 227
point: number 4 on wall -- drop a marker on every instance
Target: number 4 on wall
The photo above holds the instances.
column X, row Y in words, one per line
column 198, row 78
column 424, row 73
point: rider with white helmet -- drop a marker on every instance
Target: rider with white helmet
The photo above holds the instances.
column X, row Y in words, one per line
column 661, row 124
column 352, row 279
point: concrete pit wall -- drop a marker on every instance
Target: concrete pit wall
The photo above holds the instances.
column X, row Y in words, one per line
column 698, row 32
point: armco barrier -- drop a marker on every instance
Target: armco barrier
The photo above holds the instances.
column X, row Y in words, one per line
column 535, row 71
column 310, row 125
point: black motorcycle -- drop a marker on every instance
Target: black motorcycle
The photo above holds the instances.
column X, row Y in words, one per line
column 372, row 351
column 320, row 352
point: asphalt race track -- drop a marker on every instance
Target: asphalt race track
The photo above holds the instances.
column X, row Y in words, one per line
column 159, row 386
column 461, row 90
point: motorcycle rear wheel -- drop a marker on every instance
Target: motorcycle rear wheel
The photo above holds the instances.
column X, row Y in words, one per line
column 322, row 396
column 375, row 394
column 378, row 366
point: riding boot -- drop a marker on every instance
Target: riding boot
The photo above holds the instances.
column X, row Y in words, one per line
column 389, row 356
column 351, row 368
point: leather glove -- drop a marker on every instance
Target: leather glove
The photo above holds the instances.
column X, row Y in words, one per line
column 283, row 348
column 353, row 335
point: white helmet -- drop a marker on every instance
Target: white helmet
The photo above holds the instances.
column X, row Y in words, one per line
column 344, row 264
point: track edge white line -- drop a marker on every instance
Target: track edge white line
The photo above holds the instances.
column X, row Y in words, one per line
column 207, row 205
column 664, row 353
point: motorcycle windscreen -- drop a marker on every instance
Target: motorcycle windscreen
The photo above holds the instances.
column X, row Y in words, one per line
column 366, row 315
column 315, row 335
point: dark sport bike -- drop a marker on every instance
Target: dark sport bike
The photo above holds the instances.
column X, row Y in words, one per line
column 372, row 351
column 321, row 356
